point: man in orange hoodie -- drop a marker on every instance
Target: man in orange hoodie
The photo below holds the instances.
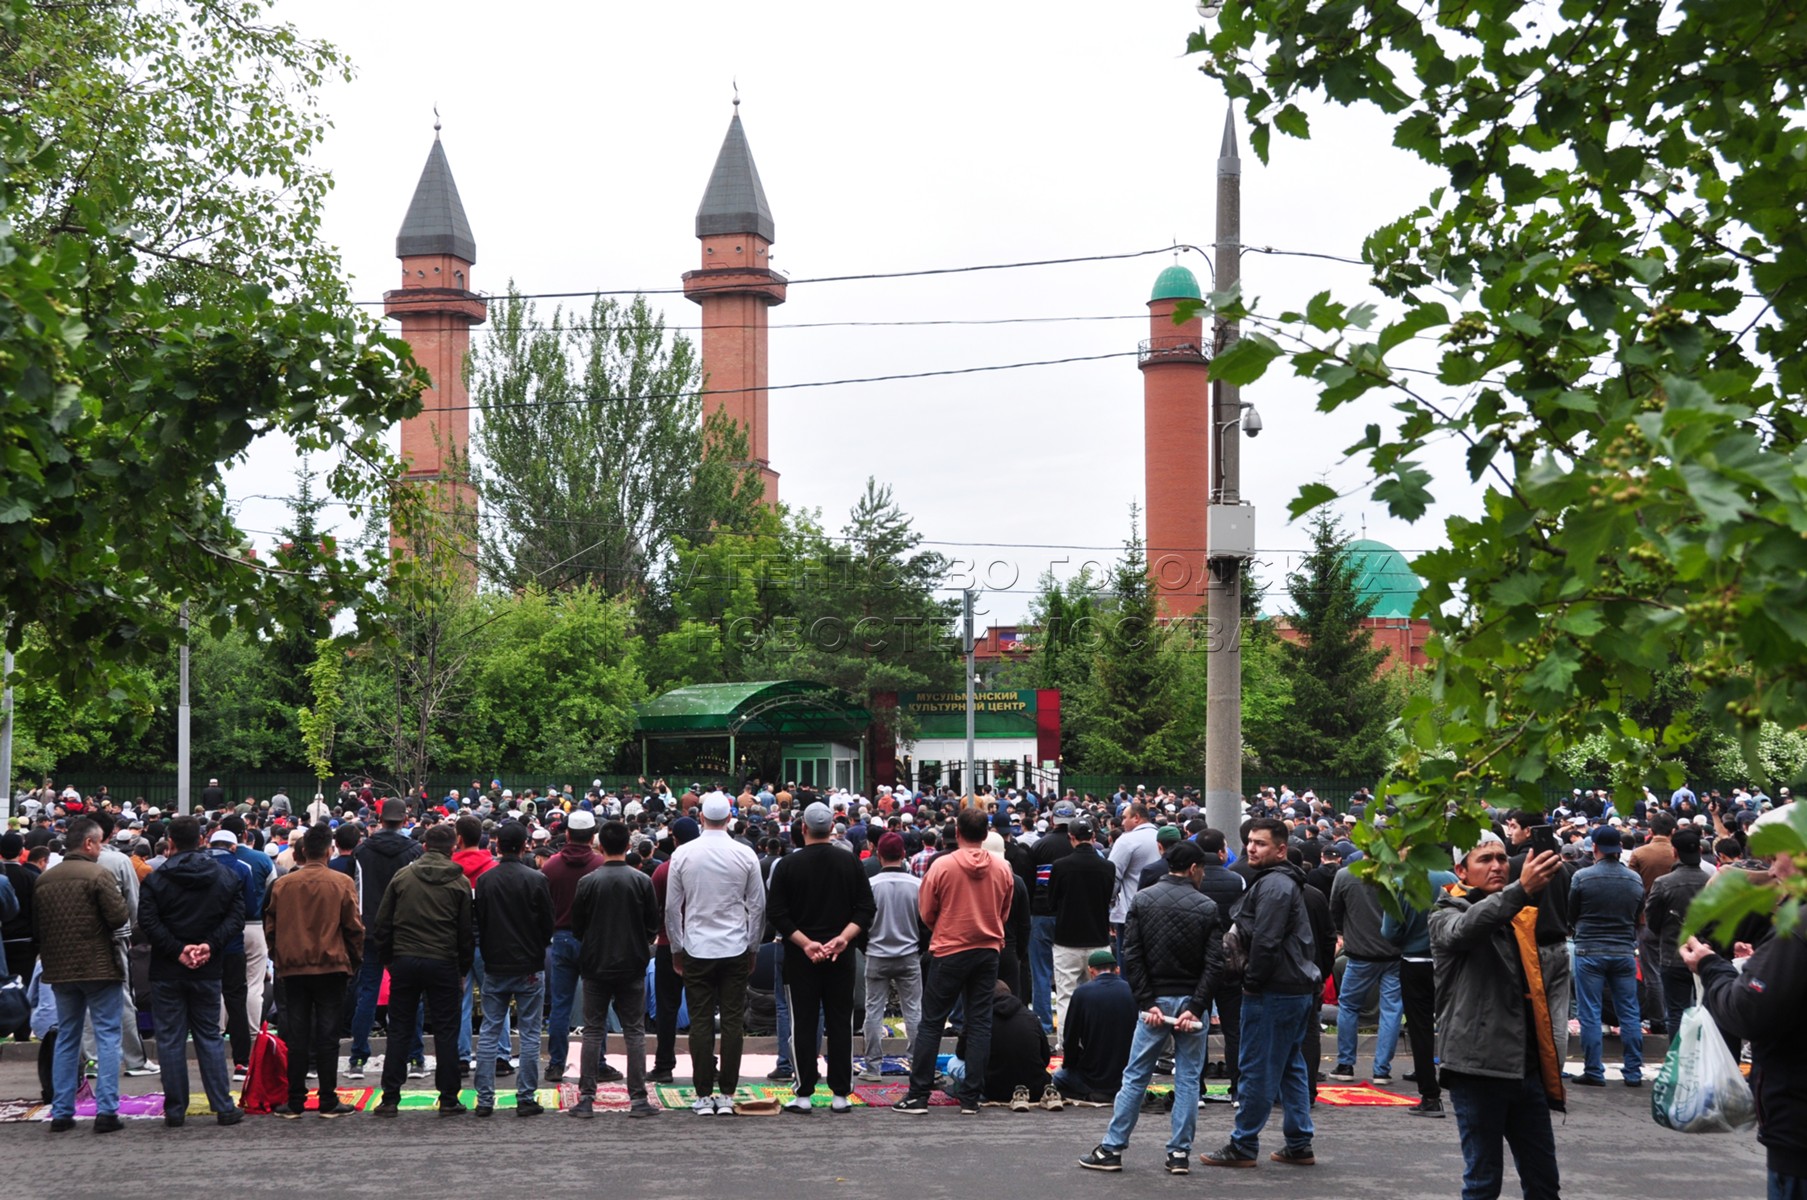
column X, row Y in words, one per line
column 964, row 899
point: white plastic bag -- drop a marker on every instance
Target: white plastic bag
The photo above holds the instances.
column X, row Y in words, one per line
column 1700, row 1088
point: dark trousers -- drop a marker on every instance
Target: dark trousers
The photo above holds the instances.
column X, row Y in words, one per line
column 825, row 987
column 1311, row 1050
column 714, row 985
column 1678, row 997
column 668, row 989
column 438, row 983
column 968, row 976
column 1490, row 1112
column 627, row 993
column 1418, row 993
column 192, row 1006
column 47, row 1065
column 236, row 995
column 309, row 1017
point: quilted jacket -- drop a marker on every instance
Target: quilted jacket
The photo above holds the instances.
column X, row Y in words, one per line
column 76, row 906
column 1173, row 945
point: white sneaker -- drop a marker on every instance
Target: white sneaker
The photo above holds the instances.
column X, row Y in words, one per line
column 799, row 1104
column 149, row 1068
column 872, row 1075
column 840, row 1104
column 724, row 1106
column 704, row 1106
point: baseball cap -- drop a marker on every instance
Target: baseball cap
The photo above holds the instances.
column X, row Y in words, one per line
column 1101, row 957
column 817, row 818
column 581, row 820
column 1063, row 812
column 1168, row 835
column 1607, row 838
column 1080, row 828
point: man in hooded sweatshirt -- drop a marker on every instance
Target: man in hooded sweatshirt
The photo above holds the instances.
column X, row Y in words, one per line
column 425, row 934
column 189, row 910
column 964, row 899
column 374, row 863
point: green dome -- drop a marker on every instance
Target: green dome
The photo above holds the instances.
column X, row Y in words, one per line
column 1385, row 575
column 1176, row 283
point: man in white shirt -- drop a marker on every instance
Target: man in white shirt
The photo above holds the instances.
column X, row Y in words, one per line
column 1137, row 848
column 714, row 915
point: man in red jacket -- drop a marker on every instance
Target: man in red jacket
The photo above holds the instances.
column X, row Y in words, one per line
column 964, row 899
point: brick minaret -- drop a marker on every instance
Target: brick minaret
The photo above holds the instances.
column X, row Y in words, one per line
column 735, row 286
column 436, row 308
column 1176, row 417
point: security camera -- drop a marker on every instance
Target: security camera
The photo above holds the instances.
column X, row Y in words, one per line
column 1251, row 423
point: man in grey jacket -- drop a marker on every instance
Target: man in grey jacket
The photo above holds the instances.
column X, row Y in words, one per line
column 1498, row 1057
column 893, row 952
column 1373, row 961
column 1606, row 902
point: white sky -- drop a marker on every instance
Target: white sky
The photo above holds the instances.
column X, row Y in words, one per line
column 889, row 139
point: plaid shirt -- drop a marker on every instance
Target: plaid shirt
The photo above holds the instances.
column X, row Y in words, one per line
column 919, row 862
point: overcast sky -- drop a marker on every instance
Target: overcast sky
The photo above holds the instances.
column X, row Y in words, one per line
column 889, row 138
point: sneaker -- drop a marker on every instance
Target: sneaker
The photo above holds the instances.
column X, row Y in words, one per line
column 914, row 1105
column 583, row 1110
column 285, row 1112
column 1634, row 1083
column 174, row 1120
column 354, row 1068
column 1298, row 1157
column 1427, row 1108
column 484, row 1110
column 969, row 1108
column 1342, row 1073
column 659, row 1075
column 1052, row 1100
column 239, row 1071
column 61, row 1124
column 108, row 1123
column 417, row 1069
column 454, row 1109
column 1229, row 1156
column 1410, row 1076
column 840, row 1104
column 1163, row 1066
column 232, row 1117
column 1380, row 1077
column 1178, row 1163
column 704, row 1106
column 724, row 1106
column 555, row 1072
column 799, row 1104
column 149, row 1068
column 1101, row 1159
column 336, row 1111
column 872, row 1074
column 1019, row 1099
column 504, row 1067
column 528, row 1108
column 608, row 1074
column 1589, row 1081
column 641, row 1109
column 781, row 1075
column 387, row 1108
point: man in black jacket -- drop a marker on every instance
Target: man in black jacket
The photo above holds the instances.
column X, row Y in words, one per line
column 1097, row 1031
column 1225, row 887
column 1280, row 986
column 374, row 863
column 513, row 912
column 1172, row 959
column 1080, row 886
column 188, row 910
column 820, row 902
column 614, row 916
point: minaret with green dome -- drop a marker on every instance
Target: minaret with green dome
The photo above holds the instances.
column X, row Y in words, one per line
column 1176, row 433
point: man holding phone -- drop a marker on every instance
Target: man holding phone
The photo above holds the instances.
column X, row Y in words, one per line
column 1527, row 835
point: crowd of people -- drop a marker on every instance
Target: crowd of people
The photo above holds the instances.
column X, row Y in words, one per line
column 1118, row 932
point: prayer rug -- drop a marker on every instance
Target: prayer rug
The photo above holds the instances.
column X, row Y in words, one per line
column 1362, row 1095
column 884, row 1095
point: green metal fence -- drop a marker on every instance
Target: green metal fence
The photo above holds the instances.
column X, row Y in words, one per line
column 160, row 790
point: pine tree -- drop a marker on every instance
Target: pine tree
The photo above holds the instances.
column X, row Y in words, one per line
column 1126, row 706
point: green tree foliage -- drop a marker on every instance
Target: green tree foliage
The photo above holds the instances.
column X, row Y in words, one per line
column 1612, row 270
column 728, row 593
column 153, row 192
column 1127, row 705
column 596, row 455
column 319, row 720
column 1341, row 710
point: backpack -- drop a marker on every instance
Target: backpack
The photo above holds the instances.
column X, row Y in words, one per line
column 267, row 1074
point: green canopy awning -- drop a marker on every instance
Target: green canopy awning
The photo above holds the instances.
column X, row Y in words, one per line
column 783, row 708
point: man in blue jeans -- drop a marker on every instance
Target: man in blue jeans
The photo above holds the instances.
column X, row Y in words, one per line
column 1280, row 989
column 1050, row 848
column 1172, row 960
column 1606, row 902
column 513, row 914
column 1373, row 961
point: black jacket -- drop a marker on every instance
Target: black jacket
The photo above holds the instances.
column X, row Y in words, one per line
column 1764, row 1004
column 1049, row 849
column 1080, row 887
column 375, row 862
column 615, row 917
column 1096, row 1037
column 819, row 890
column 514, row 918
column 1173, row 945
column 1019, row 1050
column 1276, row 932
column 190, row 899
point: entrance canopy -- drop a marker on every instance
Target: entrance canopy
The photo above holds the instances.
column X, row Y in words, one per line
column 783, row 709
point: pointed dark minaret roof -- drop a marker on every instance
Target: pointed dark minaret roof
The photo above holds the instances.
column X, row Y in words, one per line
column 734, row 201
column 435, row 223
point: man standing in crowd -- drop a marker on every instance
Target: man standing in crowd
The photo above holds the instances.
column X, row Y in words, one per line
column 1225, row 887
column 615, row 917
column 1137, row 848
column 563, row 871
column 78, row 908
column 475, row 861
column 424, row 934
column 512, row 909
column 256, row 945
column 964, row 900
column 668, row 985
column 374, row 863
column 1049, row 849
column 1665, row 908
column 1097, row 1032
column 220, row 846
column 1172, row 958
column 115, row 859
column 714, row 916
column 821, row 904
column 1280, row 988
column 316, row 941
column 1080, row 886
column 893, row 952
column 1606, row 902
column 1373, row 961
column 1493, row 1021
column 1652, row 860
column 190, row 910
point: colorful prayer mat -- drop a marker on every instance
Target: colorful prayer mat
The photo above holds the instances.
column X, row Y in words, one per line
column 1362, row 1095
column 671, row 1095
column 884, row 1095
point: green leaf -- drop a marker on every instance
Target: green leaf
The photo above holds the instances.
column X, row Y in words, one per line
column 1311, row 495
column 1245, row 360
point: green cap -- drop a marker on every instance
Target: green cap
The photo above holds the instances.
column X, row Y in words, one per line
column 1167, row 835
column 1101, row 958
